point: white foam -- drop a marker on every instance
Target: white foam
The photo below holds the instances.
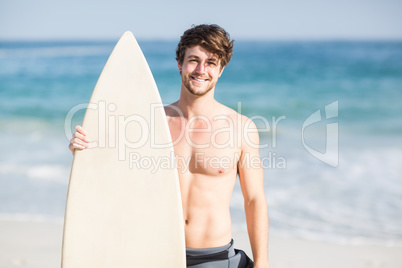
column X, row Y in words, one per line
column 21, row 217
column 50, row 173
column 358, row 202
column 54, row 173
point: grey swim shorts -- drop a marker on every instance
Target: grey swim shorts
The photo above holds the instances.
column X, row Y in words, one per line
column 220, row 257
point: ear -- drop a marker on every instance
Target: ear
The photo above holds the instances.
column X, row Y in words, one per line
column 220, row 73
column 179, row 66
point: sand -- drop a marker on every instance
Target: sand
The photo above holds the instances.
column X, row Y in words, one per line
column 38, row 245
column 30, row 244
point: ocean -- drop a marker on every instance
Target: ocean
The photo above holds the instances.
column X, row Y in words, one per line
column 329, row 114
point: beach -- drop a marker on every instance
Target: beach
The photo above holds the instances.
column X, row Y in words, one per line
column 38, row 245
column 333, row 184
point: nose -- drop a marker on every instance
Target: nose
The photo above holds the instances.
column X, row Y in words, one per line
column 200, row 68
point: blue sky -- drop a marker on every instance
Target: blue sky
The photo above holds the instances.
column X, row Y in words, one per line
column 253, row 19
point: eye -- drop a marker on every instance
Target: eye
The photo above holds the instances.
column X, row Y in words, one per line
column 212, row 63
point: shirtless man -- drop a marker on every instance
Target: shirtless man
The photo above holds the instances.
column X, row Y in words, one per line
column 218, row 143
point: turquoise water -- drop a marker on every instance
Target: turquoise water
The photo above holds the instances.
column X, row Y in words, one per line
column 356, row 200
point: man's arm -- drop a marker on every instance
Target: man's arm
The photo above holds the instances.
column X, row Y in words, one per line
column 252, row 186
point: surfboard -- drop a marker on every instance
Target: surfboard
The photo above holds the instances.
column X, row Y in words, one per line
column 123, row 204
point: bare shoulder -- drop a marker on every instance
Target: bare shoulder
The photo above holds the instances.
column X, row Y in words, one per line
column 244, row 128
column 172, row 110
column 239, row 119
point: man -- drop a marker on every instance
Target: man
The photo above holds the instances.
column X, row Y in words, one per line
column 218, row 143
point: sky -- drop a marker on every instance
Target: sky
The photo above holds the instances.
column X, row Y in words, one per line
column 164, row 19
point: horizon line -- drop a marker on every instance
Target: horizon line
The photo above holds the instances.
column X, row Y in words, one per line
column 241, row 39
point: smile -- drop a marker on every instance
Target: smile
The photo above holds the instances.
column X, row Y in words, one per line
column 198, row 79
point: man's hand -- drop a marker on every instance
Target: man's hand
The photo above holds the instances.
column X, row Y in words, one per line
column 79, row 140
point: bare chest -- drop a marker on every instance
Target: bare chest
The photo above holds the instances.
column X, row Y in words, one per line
column 208, row 149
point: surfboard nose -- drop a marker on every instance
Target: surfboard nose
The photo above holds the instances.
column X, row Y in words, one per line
column 128, row 33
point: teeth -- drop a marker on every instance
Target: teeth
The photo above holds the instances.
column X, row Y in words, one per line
column 199, row 80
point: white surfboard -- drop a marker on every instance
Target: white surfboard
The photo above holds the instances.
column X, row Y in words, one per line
column 124, row 205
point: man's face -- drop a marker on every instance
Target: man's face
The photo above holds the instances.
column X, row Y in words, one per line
column 200, row 70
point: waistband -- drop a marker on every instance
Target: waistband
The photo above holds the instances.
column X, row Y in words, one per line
column 207, row 251
column 199, row 257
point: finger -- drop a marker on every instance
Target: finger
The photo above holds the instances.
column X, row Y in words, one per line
column 81, row 130
column 80, row 136
column 78, row 146
column 79, row 142
column 73, row 146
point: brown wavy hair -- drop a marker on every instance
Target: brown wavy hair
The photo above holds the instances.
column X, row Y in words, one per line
column 210, row 37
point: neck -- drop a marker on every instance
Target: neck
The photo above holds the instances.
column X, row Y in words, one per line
column 191, row 105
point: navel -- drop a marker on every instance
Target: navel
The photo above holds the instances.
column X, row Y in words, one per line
column 220, row 171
